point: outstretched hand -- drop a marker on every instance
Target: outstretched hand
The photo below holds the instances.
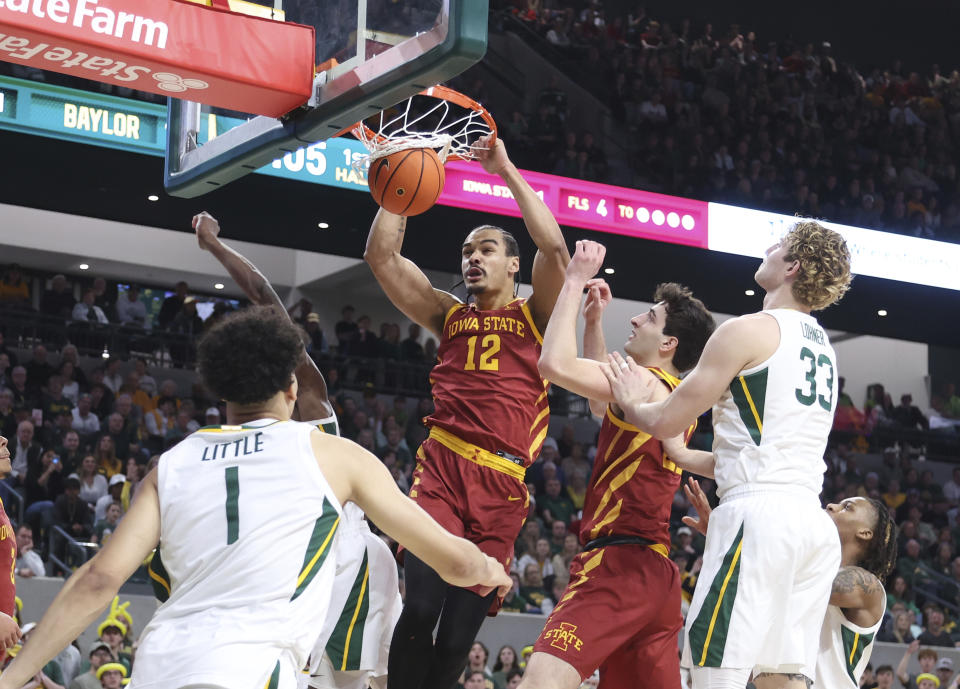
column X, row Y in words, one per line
column 586, row 260
column 207, row 228
column 492, row 154
column 698, row 499
column 598, row 296
column 629, row 383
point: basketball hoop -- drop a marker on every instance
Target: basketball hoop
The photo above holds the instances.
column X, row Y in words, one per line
column 451, row 123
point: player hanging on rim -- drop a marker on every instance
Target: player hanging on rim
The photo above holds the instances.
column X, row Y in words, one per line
column 351, row 647
column 491, row 413
column 868, row 543
column 771, row 551
column 247, row 511
column 621, row 611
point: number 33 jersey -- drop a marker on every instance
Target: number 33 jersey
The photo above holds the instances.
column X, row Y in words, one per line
column 772, row 422
column 486, row 386
column 247, row 525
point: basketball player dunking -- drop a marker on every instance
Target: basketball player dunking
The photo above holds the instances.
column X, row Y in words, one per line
column 248, row 512
column 351, row 649
column 772, row 552
column 491, row 413
column 621, row 610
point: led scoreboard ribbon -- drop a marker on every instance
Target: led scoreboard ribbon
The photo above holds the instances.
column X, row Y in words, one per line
column 135, row 126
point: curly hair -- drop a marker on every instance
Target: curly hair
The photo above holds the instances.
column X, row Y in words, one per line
column 824, row 258
column 881, row 554
column 688, row 320
column 249, row 356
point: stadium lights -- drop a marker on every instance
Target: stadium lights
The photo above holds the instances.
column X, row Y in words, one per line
column 84, row 266
column 153, row 197
column 218, row 285
column 749, row 292
column 323, row 225
column 609, row 271
column 882, row 312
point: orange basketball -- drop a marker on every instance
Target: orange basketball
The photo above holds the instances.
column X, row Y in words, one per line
column 406, row 182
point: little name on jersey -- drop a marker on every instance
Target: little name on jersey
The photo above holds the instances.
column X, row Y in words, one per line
column 246, row 445
column 813, row 334
column 490, row 323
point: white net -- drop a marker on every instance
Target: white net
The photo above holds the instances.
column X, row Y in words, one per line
column 423, row 122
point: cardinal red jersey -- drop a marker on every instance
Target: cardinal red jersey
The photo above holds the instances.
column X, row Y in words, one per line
column 486, row 386
column 8, row 560
column 633, row 482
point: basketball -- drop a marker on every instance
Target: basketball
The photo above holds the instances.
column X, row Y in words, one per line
column 406, row 182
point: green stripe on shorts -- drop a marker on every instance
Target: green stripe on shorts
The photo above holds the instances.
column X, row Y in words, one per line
column 346, row 641
column 708, row 633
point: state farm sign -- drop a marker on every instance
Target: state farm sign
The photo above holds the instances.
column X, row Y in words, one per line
column 167, row 47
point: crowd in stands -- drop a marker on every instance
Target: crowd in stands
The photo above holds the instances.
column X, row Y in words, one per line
column 722, row 115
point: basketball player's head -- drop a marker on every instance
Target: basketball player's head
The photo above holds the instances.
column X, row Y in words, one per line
column 249, row 359
column 675, row 329
column 866, row 522
column 489, row 260
column 5, row 467
column 813, row 260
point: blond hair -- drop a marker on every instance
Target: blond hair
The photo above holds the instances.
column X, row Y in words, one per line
column 824, row 257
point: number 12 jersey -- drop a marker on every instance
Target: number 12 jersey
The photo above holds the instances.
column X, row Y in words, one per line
column 772, row 422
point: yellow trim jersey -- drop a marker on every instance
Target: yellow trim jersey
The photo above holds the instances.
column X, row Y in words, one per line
column 247, row 528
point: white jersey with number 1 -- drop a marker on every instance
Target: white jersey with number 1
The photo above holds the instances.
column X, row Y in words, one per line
column 772, row 423
column 247, row 525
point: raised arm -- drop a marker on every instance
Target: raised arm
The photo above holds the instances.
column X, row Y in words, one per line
column 364, row 479
column 91, row 588
column 552, row 255
column 558, row 358
column 594, row 343
column 737, row 344
column 902, row 673
column 404, row 283
column 312, row 400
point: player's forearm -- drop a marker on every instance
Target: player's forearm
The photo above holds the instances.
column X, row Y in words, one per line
column 542, row 226
column 695, row 461
column 559, row 349
column 649, row 418
column 385, row 238
column 82, row 598
column 247, row 276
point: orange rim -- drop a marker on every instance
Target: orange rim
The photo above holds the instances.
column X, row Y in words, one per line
column 361, row 130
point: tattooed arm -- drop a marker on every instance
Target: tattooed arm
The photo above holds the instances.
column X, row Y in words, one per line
column 856, row 589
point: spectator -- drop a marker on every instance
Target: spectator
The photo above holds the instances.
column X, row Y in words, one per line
column 42, row 486
column 29, row 563
column 909, row 416
column 108, row 463
column 14, row 291
column 476, row 679
column 933, row 632
column 561, row 561
column 146, row 382
column 894, row 497
column 23, row 396
column 111, row 675
column 69, row 382
column 365, row 342
column 554, row 505
column 884, row 676
column 93, row 485
column 172, row 306
column 944, row 671
column 159, row 421
column 69, row 453
column 539, row 557
column 132, row 312
column 513, row 601
column 506, row 661
column 111, row 375
column 8, row 420
column 345, row 329
column 99, row 654
column 87, row 310
column 23, row 451
column 531, row 586
column 396, row 444
column 58, row 300
column 318, row 343
column 411, row 349
column 180, row 430
column 927, row 658
column 84, row 422
column 105, row 527
column 114, row 495
column 71, row 513
column 477, row 664
column 898, row 631
column 38, row 370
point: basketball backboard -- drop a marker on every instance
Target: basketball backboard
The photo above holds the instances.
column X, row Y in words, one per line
column 371, row 54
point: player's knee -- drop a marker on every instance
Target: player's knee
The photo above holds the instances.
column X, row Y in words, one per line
column 420, row 613
column 547, row 672
column 720, row 677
